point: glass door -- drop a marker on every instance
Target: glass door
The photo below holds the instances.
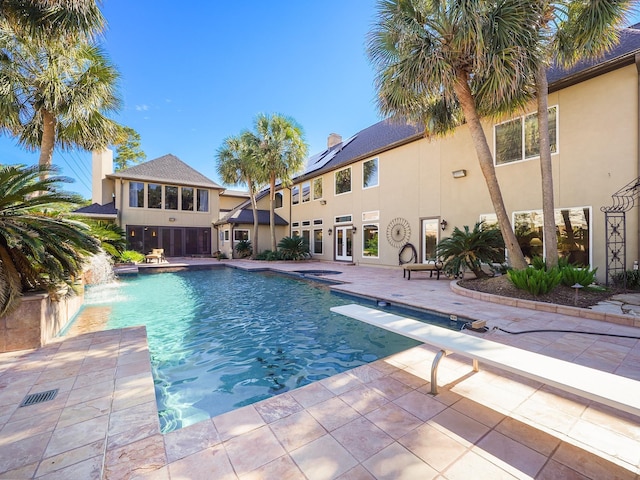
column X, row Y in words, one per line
column 344, row 244
column 430, row 238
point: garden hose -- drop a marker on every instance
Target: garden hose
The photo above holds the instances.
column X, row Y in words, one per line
column 635, row 337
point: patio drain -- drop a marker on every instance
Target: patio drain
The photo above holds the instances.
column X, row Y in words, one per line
column 39, row 397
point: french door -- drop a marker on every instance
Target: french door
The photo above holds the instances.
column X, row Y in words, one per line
column 344, row 244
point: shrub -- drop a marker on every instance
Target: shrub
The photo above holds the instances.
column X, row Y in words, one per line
column 535, row 281
column 572, row 275
column 131, row 256
column 243, row 248
column 222, row 256
column 471, row 248
column 632, row 281
column 293, row 248
column 268, row 255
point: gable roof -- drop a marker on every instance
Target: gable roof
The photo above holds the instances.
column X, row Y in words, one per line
column 389, row 134
column 245, row 216
column 108, row 210
column 166, row 169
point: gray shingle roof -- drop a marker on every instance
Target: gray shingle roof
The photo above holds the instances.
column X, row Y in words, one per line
column 628, row 44
column 245, row 217
column 388, row 134
column 166, row 169
column 97, row 209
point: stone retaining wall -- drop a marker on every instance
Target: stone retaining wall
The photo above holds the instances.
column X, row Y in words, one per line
column 37, row 320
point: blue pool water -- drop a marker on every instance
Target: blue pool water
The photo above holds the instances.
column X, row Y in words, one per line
column 221, row 339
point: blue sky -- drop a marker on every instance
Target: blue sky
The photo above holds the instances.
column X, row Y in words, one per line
column 190, row 77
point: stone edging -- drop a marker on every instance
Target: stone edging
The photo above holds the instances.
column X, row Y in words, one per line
column 546, row 307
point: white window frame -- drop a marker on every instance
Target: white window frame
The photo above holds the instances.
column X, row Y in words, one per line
column 371, row 216
column 302, row 196
column 337, row 220
column 236, row 230
column 313, row 184
column 313, row 236
column 335, row 181
column 377, row 160
column 295, row 188
column 364, row 227
column 523, row 156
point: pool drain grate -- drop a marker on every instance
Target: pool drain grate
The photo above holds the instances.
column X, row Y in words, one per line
column 40, row 397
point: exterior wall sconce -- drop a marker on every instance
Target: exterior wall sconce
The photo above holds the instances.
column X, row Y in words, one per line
column 443, row 224
column 172, row 219
column 330, row 231
column 354, row 229
column 459, row 173
column 133, row 233
column 323, row 202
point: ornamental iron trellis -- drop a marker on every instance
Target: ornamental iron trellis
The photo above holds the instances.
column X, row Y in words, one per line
column 615, row 229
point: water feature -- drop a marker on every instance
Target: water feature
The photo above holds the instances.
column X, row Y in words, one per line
column 99, row 269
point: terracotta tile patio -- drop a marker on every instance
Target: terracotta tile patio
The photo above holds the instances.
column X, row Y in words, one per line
column 377, row 421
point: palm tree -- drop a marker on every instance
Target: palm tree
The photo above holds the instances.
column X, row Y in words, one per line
column 47, row 18
column 38, row 250
column 56, row 93
column 238, row 164
column 440, row 63
column 471, row 249
column 282, row 150
column 571, row 31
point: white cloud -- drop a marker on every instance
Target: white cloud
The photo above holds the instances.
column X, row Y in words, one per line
column 142, row 108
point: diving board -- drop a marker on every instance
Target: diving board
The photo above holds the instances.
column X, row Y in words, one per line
column 618, row 392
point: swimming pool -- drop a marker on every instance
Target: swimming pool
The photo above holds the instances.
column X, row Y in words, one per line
column 224, row 338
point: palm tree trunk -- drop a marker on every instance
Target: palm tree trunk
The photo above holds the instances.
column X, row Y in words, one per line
column 256, row 227
column 48, row 140
column 272, row 211
column 467, row 103
column 546, row 170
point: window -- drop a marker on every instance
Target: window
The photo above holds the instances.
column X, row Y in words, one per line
column 306, row 192
column 343, row 181
column 226, row 235
column 370, row 241
column 572, row 225
column 317, row 241
column 171, row 198
column 370, row 173
column 240, row 235
column 318, row 221
column 306, row 236
column 278, row 200
column 136, row 194
column 306, row 223
column 295, row 224
column 295, row 195
column 518, row 139
column 344, row 219
column 154, row 195
column 203, row 200
column 317, row 188
column 187, row 198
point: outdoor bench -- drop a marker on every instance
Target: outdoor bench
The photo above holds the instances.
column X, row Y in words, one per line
column 618, row 392
column 422, row 267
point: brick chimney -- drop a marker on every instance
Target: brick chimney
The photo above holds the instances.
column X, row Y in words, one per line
column 334, row 139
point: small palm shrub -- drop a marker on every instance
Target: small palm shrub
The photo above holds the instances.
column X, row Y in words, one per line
column 293, row 248
column 39, row 250
column 112, row 238
column 572, row 275
column 268, row 255
column 244, row 248
column 632, row 279
column 131, row 256
column 535, row 281
column 471, row 248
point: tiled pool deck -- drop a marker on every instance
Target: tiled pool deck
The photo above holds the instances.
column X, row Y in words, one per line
column 377, row 421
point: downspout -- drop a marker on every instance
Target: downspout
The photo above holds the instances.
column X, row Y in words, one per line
column 121, row 204
column 637, row 61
